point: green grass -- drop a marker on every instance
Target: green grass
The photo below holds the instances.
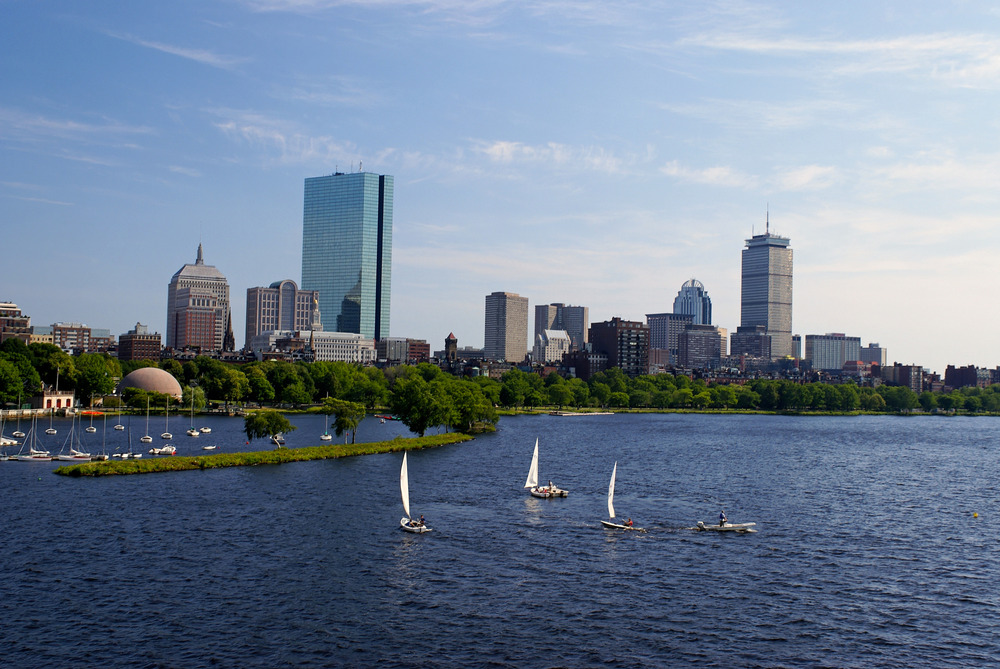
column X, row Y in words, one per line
column 275, row 457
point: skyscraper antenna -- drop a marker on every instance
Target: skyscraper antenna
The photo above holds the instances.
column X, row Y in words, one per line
column 767, row 217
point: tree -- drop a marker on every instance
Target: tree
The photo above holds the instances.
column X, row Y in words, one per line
column 346, row 414
column 95, row 374
column 266, row 424
column 418, row 404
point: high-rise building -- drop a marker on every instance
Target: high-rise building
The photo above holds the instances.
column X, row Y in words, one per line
column 198, row 313
column 753, row 341
column 347, row 250
column 700, row 347
column 766, row 295
column 625, row 343
column 281, row 306
column 558, row 316
column 506, row 332
column 832, row 350
column 693, row 299
column 664, row 329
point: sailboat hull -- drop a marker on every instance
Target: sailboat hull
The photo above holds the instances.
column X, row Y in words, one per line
column 546, row 492
column 616, row 526
column 404, row 522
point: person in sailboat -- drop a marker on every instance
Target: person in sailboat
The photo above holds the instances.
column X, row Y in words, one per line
column 420, row 523
column 722, row 518
column 628, row 523
column 550, row 487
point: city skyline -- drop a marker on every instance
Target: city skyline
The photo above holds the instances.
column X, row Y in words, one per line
column 643, row 143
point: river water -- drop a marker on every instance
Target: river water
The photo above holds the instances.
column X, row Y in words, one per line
column 868, row 552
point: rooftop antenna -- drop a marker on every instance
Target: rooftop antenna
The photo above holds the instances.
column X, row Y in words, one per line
column 360, row 168
column 767, row 217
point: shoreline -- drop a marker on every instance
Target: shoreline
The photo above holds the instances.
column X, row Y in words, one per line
column 254, row 458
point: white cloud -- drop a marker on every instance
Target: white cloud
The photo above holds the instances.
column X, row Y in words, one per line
column 202, row 56
column 186, row 171
column 551, row 154
column 807, row 177
column 292, row 145
column 722, row 175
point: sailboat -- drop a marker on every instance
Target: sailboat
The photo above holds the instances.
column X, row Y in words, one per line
column 146, row 439
column 611, row 522
column 326, row 436
column 121, row 405
column 73, row 440
column 33, row 454
column 166, row 422
column 532, row 481
column 192, row 431
column 90, row 428
column 408, row 524
column 51, row 429
column 104, row 439
column 17, row 434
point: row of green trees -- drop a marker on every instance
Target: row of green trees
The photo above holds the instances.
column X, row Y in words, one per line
column 425, row 397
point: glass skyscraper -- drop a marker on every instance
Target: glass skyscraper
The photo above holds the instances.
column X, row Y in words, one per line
column 693, row 299
column 766, row 295
column 347, row 250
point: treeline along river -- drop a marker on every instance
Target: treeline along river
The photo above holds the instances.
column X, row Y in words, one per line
column 868, row 552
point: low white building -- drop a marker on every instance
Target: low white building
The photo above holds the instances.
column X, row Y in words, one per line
column 550, row 346
column 326, row 346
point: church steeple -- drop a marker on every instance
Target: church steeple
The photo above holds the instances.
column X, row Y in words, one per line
column 200, row 260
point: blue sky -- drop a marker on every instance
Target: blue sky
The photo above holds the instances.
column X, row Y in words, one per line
column 587, row 152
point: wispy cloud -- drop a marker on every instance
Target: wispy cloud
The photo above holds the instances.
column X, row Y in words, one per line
column 330, row 91
column 722, row 175
column 42, row 200
column 551, row 153
column 186, row 171
column 958, row 59
column 807, row 177
column 18, row 124
column 202, row 56
column 291, row 144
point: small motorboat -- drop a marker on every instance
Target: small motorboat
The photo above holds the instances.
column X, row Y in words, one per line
column 741, row 528
column 206, row 430
column 163, row 450
column 209, row 448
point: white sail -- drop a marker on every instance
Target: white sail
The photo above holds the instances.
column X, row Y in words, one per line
column 611, row 493
column 404, row 486
column 532, row 481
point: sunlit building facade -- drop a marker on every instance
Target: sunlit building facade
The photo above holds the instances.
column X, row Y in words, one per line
column 347, row 250
column 198, row 313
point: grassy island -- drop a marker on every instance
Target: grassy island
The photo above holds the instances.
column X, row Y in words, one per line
column 274, row 457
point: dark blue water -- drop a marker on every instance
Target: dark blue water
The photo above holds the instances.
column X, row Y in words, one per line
column 867, row 553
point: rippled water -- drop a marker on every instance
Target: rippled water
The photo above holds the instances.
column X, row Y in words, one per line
column 867, row 553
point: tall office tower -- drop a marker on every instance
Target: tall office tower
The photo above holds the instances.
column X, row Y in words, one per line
column 693, row 299
column 347, row 250
column 197, row 307
column 557, row 316
column 281, row 306
column 506, row 334
column 766, row 297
